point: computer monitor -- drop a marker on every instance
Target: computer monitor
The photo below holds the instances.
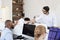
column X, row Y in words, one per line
column 28, row 30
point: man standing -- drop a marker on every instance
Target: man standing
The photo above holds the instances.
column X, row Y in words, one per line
column 46, row 18
column 7, row 33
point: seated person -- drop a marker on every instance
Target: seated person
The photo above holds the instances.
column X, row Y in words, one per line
column 19, row 25
column 40, row 32
column 27, row 20
column 6, row 34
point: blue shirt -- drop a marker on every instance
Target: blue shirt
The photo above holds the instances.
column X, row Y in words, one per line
column 6, row 34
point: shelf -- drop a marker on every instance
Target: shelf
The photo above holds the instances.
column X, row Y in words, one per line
column 18, row 3
column 17, row 8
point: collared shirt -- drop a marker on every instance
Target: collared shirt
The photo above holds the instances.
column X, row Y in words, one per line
column 19, row 27
column 49, row 20
column 6, row 34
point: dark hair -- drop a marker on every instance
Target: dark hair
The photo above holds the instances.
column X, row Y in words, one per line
column 22, row 14
column 46, row 8
column 27, row 19
column 7, row 21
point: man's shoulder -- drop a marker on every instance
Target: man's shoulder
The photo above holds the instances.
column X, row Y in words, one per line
column 5, row 31
column 52, row 14
column 21, row 19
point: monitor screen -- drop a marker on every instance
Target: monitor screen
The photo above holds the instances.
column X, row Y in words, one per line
column 28, row 30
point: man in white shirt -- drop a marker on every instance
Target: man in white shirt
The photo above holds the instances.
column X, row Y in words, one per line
column 19, row 26
column 46, row 18
column 7, row 33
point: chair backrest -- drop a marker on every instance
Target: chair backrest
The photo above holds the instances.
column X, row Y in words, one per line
column 54, row 34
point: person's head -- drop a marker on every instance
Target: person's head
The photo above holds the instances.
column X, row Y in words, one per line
column 21, row 15
column 39, row 30
column 46, row 9
column 8, row 24
column 27, row 20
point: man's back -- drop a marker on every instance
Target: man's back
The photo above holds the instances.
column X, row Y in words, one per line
column 6, row 34
column 18, row 28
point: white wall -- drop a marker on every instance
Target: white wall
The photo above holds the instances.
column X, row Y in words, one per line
column 34, row 7
column 5, row 12
column 0, row 3
column 6, row 9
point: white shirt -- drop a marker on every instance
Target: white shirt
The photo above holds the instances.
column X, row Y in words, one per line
column 6, row 34
column 49, row 20
column 19, row 27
